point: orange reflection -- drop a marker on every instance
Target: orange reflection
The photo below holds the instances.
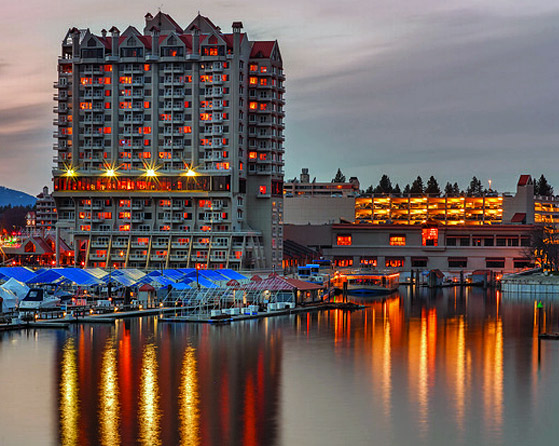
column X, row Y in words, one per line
column 189, row 400
column 109, row 406
column 148, row 412
column 69, row 399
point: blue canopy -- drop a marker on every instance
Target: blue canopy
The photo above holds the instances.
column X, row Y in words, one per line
column 65, row 275
column 181, row 286
column 48, row 277
column 168, row 273
column 17, row 272
column 230, row 274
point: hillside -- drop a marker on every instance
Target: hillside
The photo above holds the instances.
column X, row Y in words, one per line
column 15, row 197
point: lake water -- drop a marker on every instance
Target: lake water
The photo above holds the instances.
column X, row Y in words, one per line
column 432, row 368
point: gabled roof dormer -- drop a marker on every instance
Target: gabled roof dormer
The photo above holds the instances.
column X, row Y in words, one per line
column 172, row 46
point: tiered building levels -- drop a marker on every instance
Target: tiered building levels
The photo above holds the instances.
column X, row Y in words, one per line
column 170, row 146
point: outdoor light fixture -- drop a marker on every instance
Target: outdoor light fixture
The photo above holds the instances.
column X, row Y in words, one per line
column 70, row 172
column 190, row 173
column 110, row 172
column 150, row 173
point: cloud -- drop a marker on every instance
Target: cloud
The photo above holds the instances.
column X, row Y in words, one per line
column 468, row 95
column 26, row 147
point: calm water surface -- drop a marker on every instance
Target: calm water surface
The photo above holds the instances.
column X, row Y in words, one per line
column 434, row 368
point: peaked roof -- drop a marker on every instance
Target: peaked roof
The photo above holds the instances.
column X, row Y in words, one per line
column 524, row 180
column 262, row 49
column 204, row 24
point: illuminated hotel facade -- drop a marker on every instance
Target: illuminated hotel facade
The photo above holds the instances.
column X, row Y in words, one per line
column 169, row 149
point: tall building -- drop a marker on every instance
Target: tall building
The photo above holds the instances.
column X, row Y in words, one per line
column 170, row 146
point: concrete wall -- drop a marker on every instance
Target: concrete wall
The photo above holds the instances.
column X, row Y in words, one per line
column 304, row 210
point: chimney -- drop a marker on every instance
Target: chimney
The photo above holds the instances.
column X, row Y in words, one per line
column 237, row 26
column 154, row 40
column 104, row 32
column 195, row 40
column 115, row 34
column 75, row 42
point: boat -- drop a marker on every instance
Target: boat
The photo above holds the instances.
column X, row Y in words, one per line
column 367, row 282
column 313, row 273
column 38, row 299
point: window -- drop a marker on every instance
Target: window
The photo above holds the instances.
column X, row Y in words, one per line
column 397, row 240
column 430, row 236
column 343, row 240
column 343, row 262
column 523, row 263
column 419, row 262
column 368, row 262
column 394, row 262
column 457, row 262
column 262, row 190
column 494, row 262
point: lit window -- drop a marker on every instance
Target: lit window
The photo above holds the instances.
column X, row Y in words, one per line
column 253, row 105
column 146, row 67
column 370, row 262
column 263, row 81
column 263, row 69
column 394, row 262
column 108, row 68
column 253, row 67
column 253, row 80
column 343, row 240
column 205, row 116
column 262, row 190
column 397, row 240
column 107, row 130
column 147, row 104
column 430, row 236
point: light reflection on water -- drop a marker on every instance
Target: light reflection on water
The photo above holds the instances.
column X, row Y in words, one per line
column 109, row 407
column 189, row 400
column 430, row 368
column 148, row 412
column 69, row 399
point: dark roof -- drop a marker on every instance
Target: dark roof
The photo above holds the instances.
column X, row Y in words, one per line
column 524, row 180
column 262, row 49
column 292, row 249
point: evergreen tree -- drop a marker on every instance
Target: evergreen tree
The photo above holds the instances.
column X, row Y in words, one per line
column 339, row 178
column 417, row 186
column 456, row 190
column 449, row 190
column 407, row 190
column 433, row 187
column 542, row 187
column 369, row 189
column 396, row 191
column 384, row 186
column 475, row 189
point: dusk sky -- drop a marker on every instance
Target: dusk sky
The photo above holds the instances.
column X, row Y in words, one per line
column 403, row 87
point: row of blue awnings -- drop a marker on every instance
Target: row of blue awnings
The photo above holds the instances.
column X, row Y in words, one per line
column 176, row 278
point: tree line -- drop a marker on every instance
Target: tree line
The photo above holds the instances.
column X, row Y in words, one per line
column 418, row 187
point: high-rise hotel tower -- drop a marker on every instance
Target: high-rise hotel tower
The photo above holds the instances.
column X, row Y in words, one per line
column 170, row 146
